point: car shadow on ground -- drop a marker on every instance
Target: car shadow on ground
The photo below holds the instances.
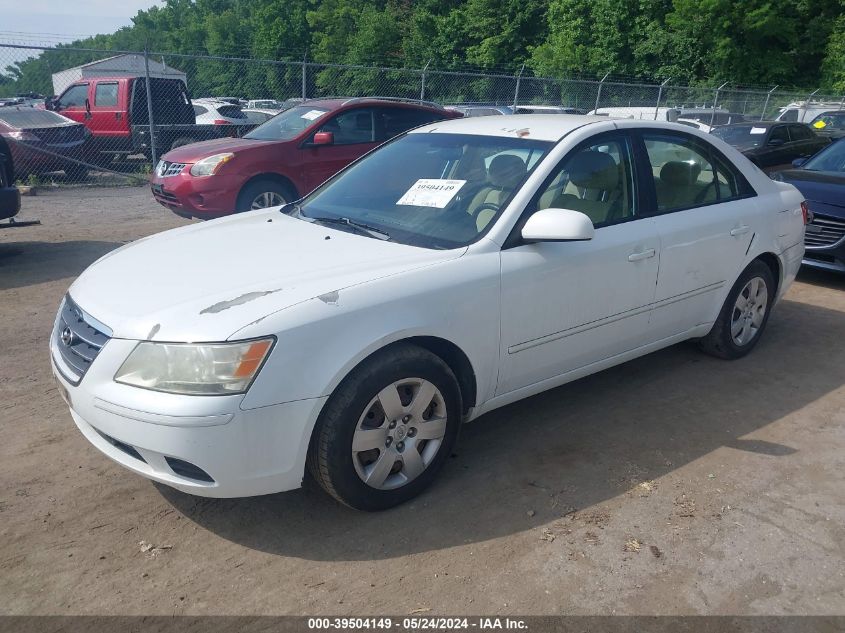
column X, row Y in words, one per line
column 820, row 277
column 29, row 263
column 573, row 447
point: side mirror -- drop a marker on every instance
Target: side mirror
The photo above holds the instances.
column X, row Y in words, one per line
column 558, row 225
column 776, row 142
column 51, row 103
column 323, row 138
column 798, row 162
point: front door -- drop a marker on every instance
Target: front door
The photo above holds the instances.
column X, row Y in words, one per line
column 569, row 304
column 353, row 133
column 73, row 104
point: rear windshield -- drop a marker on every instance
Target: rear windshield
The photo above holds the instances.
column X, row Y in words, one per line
column 231, row 111
column 744, row 135
column 31, row 117
column 288, row 124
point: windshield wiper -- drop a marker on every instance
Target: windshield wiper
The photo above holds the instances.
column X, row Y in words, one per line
column 362, row 228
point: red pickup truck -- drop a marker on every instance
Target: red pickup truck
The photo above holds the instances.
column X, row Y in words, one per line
column 115, row 110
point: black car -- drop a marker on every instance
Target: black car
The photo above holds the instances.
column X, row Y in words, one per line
column 830, row 124
column 822, row 181
column 10, row 198
column 772, row 144
column 42, row 141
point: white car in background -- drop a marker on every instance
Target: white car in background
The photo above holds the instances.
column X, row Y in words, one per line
column 218, row 112
column 461, row 267
column 259, row 116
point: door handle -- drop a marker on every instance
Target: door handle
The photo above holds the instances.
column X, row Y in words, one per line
column 635, row 257
column 740, row 230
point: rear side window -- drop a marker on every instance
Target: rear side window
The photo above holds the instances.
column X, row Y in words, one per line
column 105, row 94
column 789, row 115
column 394, row 121
column 75, row 96
column 687, row 173
column 198, row 110
column 800, row 133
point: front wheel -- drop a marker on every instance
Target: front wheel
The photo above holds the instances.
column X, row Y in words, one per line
column 262, row 194
column 744, row 315
column 387, row 429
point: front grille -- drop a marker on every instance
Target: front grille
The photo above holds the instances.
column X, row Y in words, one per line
column 824, row 230
column 78, row 339
column 61, row 134
column 166, row 198
column 164, row 169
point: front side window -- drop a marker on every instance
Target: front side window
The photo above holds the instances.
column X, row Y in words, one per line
column 828, row 119
column 74, row 96
column 431, row 190
column 779, row 135
column 597, row 180
column 789, row 115
column 687, row 173
column 351, row 127
column 105, row 94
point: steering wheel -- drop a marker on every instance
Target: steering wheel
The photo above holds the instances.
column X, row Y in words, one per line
column 487, row 205
column 702, row 195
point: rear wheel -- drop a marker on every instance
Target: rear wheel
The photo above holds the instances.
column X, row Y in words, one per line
column 387, row 429
column 744, row 315
column 262, row 194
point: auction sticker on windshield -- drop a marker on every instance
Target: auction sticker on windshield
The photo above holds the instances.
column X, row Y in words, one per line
column 431, row 192
column 313, row 114
column 758, row 130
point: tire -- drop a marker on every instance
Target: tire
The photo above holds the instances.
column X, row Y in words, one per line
column 182, row 140
column 354, row 414
column 738, row 315
column 264, row 192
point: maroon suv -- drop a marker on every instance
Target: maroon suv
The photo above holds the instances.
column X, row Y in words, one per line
column 284, row 158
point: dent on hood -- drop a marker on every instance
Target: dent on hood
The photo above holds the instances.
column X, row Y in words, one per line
column 237, row 301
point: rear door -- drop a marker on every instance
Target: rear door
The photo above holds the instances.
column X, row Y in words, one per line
column 354, row 134
column 107, row 111
column 706, row 216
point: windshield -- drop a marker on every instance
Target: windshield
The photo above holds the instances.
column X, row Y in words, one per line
column 430, row 190
column 288, row 124
column 32, row 117
column 829, row 119
column 831, row 158
column 745, row 135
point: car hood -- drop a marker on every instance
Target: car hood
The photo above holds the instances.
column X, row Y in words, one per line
column 824, row 190
column 197, row 151
column 206, row 281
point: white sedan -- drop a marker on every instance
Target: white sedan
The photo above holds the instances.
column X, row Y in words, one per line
column 458, row 268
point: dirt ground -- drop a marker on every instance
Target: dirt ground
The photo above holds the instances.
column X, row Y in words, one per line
column 674, row 484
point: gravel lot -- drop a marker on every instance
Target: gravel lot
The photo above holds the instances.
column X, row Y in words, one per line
column 674, row 484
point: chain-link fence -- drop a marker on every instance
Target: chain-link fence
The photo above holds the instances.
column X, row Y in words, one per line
column 85, row 115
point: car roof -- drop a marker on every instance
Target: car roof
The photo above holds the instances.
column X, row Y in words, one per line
column 333, row 103
column 544, row 127
column 766, row 124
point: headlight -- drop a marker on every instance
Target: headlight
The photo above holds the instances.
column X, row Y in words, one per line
column 206, row 369
column 209, row 166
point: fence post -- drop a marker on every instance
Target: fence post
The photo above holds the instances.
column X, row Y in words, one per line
column 150, row 108
column 304, row 77
column 659, row 96
column 715, row 101
column 766, row 104
column 598, row 92
column 422, row 85
column 842, row 102
column 516, row 89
